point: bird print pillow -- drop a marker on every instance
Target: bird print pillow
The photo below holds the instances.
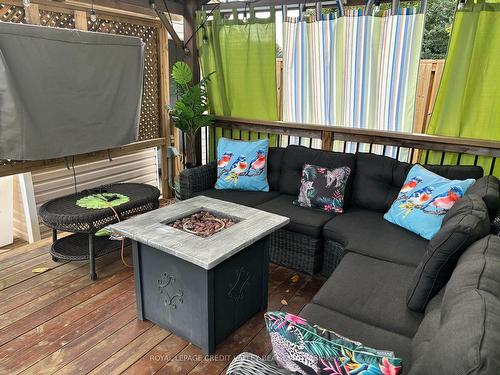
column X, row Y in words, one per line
column 305, row 348
column 323, row 188
column 242, row 165
column 423, row 201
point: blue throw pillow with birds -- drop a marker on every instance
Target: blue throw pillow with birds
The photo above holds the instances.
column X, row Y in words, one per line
column 242, row 165
column 423, row 201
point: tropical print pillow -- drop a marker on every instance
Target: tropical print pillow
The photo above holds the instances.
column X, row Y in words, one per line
column 323, row 188
column 307, row 349
column 242, row 165
column 424, row 200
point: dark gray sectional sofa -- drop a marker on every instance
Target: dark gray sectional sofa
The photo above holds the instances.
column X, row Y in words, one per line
column 374, row 262
column 314, row 240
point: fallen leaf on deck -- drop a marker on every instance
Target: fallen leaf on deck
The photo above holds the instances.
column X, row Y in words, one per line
column 284, row 302
column 295, row 278
column 40, row 270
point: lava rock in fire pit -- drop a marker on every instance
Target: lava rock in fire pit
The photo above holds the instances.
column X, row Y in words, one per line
column 202, row 224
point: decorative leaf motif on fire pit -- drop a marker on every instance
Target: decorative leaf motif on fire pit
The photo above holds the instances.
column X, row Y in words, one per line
column 237, row 288
column 166, row 287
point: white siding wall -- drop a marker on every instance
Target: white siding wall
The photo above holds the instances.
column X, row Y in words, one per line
column 18, row 214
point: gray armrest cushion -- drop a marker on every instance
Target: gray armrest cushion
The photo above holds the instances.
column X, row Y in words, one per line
column 197, row 179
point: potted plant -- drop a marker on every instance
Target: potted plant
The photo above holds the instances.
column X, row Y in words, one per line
column 190, row 112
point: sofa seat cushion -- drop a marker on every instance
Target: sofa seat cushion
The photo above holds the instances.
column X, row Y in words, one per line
column 246, row 198
column 372, row 291
column 367, row 334
column 308, row 221
column 366, row 232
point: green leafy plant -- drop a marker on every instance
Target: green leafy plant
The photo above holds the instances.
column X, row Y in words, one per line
column 190, row 112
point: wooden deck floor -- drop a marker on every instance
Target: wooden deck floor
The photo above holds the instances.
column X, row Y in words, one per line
column 59, row 322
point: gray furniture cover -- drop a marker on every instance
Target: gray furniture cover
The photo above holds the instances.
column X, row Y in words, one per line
column 66, row 92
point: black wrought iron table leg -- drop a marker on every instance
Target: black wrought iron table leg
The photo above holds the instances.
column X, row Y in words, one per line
column 54, row 239
column 93, row 274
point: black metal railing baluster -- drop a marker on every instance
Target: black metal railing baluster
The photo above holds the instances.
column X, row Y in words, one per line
column 492, row 168
column 443, row 154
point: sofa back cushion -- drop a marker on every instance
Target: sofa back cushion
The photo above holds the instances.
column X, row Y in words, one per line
column 274, row 166
column 295, row 157
column 459, row 334
column 378, row 179
column 465, row 222
column 488, row 187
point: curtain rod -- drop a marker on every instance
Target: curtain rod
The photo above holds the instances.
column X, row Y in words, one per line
column 266, row 5
column 291, row 4
column 242, row 8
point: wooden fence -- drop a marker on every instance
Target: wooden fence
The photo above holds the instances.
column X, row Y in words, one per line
column 429, row 78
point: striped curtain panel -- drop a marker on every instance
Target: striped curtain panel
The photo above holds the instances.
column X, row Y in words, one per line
column 354, row 70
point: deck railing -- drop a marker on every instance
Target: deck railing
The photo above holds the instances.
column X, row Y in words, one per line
column 410, row 147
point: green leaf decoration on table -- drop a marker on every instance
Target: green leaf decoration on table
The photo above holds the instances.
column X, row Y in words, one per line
column 99, row 201
column 181, row 73
column 104, row 232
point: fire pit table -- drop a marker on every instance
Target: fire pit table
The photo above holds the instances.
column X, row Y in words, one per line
column 201, row 286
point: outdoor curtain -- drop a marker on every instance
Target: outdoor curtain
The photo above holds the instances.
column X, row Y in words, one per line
column 67, row 92
column 353, row 69
column 242, row 55
column 468, row 100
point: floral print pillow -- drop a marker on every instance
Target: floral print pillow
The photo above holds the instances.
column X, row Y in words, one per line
column 306, row 349
column 323, row 188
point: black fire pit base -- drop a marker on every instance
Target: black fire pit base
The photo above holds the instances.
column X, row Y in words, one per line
column 201, row 305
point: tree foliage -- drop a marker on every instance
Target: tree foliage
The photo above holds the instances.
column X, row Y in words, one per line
column 437, row 28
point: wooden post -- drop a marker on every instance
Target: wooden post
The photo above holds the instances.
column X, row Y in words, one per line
column 326, row 140
column 165, row 130
column 190, row 7
column 29, row 207
column 32, row 13
column 81, row 20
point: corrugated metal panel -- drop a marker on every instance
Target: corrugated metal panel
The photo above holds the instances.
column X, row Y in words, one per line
column 139, row 167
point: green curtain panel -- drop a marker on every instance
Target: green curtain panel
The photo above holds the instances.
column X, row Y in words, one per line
column 242, row 55
column 468, row 100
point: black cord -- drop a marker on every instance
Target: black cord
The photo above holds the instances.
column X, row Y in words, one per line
column 168, row 11
column 74, row 174
column 202, row 24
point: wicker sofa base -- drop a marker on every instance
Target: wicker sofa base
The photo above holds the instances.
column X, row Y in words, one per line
column 333, row 253
column 298, row 251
